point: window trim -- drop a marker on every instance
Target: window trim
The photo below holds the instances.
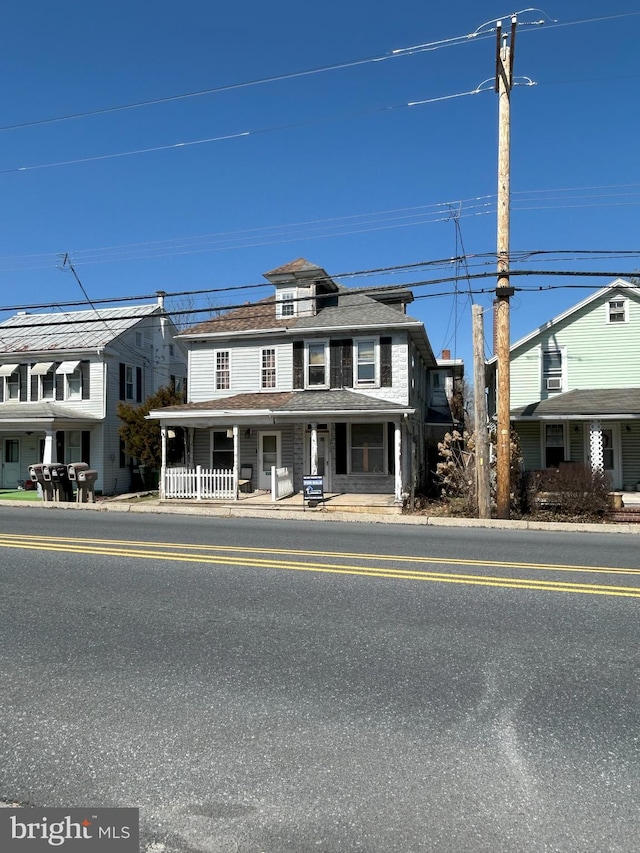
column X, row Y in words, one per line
column 317, row 385
column 561, row 374
column 357, row 382
column 544, row 445
column 219, row 372
column 286, row 298
column 625, row 310
column 384, row 449
column 264, row 369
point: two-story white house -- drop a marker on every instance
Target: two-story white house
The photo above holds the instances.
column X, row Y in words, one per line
column 575, row 386
column 318, row 379
column 62, row 376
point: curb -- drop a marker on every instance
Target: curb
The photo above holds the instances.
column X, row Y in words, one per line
column 323, row 516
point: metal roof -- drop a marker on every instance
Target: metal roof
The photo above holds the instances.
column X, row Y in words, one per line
column 71, row 330
column 589, row 403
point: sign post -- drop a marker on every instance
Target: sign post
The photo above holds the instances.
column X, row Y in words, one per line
column 312, row 490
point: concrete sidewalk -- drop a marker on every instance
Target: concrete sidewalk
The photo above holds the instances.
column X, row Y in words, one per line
column 294, row 511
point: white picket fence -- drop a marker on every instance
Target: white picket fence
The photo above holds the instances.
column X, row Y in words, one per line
column 200, row 483
column 218, row 483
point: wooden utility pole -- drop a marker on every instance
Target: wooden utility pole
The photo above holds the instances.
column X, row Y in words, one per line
column 483, row 488
column 504, row 83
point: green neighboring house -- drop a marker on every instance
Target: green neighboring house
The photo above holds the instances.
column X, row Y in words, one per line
column 575, row 386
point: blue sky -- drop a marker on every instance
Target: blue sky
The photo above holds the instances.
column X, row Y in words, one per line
column 327, row 170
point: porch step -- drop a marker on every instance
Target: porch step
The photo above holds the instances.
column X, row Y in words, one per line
column 628, row 514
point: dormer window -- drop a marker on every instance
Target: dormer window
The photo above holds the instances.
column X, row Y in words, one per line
column 617, row 310
column 286, row 304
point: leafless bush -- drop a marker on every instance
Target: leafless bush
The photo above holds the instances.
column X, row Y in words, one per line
column 573, row 490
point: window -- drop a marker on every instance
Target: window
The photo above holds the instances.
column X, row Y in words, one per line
column 221, row 450
column 552, row 370
column 617, row 311
column 48, row 385
column 139, row 340
column 12, row 386
column 554, row 444
column 130, row 383
column 316, row 365
column 367, row 449
column 286, row 305
column 71, row 377
column 268, row 379
column 366, row 362
column 222, row 371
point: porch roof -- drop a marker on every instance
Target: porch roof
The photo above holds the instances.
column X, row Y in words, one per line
column 605, row 403
column 24, row 416
column 289, row 405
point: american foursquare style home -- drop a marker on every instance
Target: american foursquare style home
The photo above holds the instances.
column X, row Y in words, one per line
column 575, row 387
column 62, row 376
column 317, row 380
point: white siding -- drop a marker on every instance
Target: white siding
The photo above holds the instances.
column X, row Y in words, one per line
column 245, row 368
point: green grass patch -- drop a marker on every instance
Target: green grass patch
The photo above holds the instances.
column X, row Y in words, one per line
column 19, row 495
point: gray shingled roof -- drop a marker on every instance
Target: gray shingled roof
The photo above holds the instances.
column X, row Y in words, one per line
column 292, row 402
column 42, row 410
column 592, row 403
column 69, row 330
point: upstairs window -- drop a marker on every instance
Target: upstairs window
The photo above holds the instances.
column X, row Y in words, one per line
column 286, row 304
column 316, row 365
column 130, row 383
column 366, row 362
column 11, row 382
column 552, row 364
column 223, row 377
column 617, row 310
column 268, row 378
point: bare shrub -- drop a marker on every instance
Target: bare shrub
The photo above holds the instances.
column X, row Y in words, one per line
column 573, row 490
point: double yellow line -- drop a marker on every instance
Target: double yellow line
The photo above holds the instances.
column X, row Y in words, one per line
column 224, row 555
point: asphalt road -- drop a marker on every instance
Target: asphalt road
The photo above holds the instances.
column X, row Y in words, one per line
column 286, row 687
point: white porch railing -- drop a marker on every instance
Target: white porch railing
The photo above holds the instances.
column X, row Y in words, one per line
column 281, row 483
column 200, row 483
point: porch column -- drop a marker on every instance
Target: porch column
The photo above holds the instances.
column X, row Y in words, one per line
column 163, row 463
column 397, row 458
column 236, row 463
column 595, row 446
column 314, row 449
column 189, row 448
column 47, row 457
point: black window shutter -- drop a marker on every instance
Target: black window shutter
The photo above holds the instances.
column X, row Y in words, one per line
column 391, row 455
column 138, row 384
column 85, row 370
column 335, row 364
column 59, row 381
column 22, row 372
column 1, row 389
column 298, row 364
column 347, row 363
column 123, row 390
column 60, row 446
column 86, row 446
column 341, row 448
column 34, row 387
column 386, row 379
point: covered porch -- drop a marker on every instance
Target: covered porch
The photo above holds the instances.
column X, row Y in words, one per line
column 231, row 450
column 598, row 428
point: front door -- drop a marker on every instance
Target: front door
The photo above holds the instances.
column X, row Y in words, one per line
column 10, row 462
column 611, row 454
column 324, row 465
column 268, row 455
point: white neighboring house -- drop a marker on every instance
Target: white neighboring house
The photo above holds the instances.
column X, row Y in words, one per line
column 317, row 380
column 62, row 376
